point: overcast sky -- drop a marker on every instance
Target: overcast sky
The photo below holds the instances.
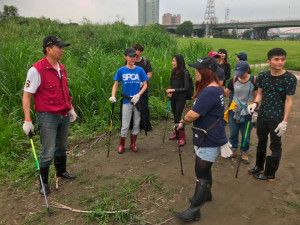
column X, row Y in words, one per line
column 108, row 11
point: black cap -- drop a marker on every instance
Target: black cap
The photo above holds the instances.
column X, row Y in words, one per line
column 205, row 62
column 53, row 40
column 130, row 52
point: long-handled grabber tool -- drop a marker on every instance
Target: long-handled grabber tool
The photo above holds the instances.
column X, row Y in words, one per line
column 168, row 109
column 179, row 151
column 30, row 135
column 110, row 127
column 243, row 145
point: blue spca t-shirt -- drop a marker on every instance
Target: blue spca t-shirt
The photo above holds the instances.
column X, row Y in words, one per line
column 131, row 80
column 210, row 105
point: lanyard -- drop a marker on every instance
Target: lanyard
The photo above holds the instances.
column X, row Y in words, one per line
column 244, row 106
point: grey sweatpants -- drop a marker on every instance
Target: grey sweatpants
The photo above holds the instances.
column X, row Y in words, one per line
column 126, row 118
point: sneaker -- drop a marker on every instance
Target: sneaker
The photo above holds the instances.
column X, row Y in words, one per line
column 245, row 158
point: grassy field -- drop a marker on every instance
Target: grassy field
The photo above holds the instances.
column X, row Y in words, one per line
column 256, row 50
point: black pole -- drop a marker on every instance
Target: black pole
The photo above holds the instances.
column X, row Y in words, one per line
column 179, row 151
column 168, row 108
column 110, row 127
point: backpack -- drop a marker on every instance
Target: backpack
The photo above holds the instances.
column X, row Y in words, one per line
column 190, row 92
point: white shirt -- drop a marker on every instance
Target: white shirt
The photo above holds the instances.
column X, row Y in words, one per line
column 33, row 80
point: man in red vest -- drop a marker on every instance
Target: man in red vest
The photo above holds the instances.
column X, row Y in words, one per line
column 47, row 83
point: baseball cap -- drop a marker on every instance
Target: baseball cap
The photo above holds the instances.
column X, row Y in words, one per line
column 241, row 68
column 53, row 40
column 242, row 56
column 205, row 62
column 213, row 54
column 130, row 52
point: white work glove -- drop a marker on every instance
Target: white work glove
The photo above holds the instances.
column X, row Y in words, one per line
column 251, row 107
column 254, row 117
column 112, row 99
column 226, row 150
column 27, row 127
column 281, row 128
column 135, row 99
column 73, row 115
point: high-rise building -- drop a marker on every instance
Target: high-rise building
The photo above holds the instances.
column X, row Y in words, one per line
column 148, row 12
column 169, row 19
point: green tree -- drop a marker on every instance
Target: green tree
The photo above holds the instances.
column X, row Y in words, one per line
column 186, row 28
column 9, row 11
column 247, row 34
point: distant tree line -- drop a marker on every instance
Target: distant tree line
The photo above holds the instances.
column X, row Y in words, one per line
column 9, row 11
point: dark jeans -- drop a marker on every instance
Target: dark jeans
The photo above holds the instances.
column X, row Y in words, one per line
column 177, row 109
column 54, row 130
column 235, row 128
column 264, row 128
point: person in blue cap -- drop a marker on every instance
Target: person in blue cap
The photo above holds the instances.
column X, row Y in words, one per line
column 243, row 86
column 242, row 56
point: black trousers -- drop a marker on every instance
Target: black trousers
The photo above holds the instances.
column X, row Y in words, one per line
column 264, row 128
column 177, row 109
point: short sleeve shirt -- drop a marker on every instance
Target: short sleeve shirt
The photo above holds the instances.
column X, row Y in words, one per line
column 243, row 92
column 274, row 92
column 209, row 105
column 147, row 67
column 131, row 80
column 33, row 80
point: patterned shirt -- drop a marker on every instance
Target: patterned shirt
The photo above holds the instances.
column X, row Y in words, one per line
column 274, row 92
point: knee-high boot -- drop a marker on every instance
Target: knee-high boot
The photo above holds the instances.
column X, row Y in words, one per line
column 209, row 195
column 200, row 196
column 60, row 164
column 182, row 140
column 260, row 162
column 44, row 174
column 121, row 146
column 132, row 144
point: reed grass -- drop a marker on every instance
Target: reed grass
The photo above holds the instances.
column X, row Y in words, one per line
column 95, row 54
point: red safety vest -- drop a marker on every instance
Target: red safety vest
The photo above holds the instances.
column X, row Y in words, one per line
column 53, row 93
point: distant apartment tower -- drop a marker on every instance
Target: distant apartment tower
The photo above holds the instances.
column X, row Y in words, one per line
column 148, row 12
column 169, row 19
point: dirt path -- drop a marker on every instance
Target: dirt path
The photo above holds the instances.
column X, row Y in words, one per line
column 244, row 200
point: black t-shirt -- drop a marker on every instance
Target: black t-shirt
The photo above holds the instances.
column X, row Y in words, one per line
column 145, row 64
column 274, row 92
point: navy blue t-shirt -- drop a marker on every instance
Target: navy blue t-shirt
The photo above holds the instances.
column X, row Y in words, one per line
column 210, row 105
column 131, row 80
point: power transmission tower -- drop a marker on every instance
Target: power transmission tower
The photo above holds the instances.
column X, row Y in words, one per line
column 227, row 13
column 209, row 17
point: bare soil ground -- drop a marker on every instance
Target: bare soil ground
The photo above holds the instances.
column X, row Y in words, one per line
column 236, row 201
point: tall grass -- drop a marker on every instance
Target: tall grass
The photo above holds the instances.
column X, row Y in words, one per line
column 95, row 54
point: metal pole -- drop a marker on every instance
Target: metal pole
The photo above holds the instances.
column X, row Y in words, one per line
column 110, row 127
column 243, row 145
column 168, row 109
column 179, row 151
column 30, row 135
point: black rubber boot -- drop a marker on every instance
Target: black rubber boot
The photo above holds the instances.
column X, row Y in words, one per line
column 209, row 195
column 271, row 168
column 200, row 196
column 60, row 166
column 44, row 174
column 260, row 162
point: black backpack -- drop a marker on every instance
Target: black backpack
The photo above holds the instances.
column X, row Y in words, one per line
column 190, row 92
